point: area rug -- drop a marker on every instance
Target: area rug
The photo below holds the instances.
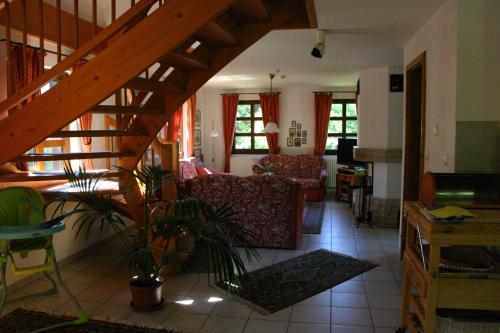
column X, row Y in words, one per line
column 313, row 217
column 23, row 321
column 278, row 286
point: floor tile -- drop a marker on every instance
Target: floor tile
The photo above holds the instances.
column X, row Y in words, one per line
column 281, row 315
column 351, row 329
column 185, row 321
column 323, row 298
column 219, row 324
column 348, row 300
column 265, row 326
column 308, row 328
column 386, row 318
column 110, row 311
column 310, row 314
column 379, row 287
column 199, row 305
column 385, row 302
column 351, row 316
column 350, row 287
column 97, row 294
column 232, row 309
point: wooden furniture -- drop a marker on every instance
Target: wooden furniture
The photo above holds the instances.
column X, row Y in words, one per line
column 425, row 287
column 345, row 179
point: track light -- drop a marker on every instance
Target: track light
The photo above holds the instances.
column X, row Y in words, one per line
column 319, row 47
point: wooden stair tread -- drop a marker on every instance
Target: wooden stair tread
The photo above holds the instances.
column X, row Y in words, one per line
column 96, row 133
column 140, row 83
column 70, row 156
column 128, row 110
column 221, row 31
column 34, row 176
column 249, row 11
column 185, row 60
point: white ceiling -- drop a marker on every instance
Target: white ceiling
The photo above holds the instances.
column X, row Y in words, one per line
column 363, row 34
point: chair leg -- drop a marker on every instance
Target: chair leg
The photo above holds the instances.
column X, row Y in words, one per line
column 3, row 282
column 82, row 316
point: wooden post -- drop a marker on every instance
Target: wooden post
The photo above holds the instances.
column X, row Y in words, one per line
column 25, row 43
column 77, row 25
column 169, row 157
column 94, row 17
column 59, row 29
column 42, row 37
column 10, row 84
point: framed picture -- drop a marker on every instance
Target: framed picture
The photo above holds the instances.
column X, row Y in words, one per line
column 304, row 133
column 294, row 123
column 197, row 153
column 304, row 141
column 197, row 118
column 299, row 133
column 297, row 142
column 289, row 142
column 292, row 131
column 299, row 126
column 197, row 137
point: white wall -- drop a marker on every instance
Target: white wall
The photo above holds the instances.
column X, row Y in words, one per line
column 296, row 103
column 438, row 38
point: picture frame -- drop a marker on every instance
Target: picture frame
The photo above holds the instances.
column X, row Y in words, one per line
column 304, row 141
column 292, row 131
column 197, row 153
column 289, row 142
column 197, row 137
column 197, row 117
column 294, row 123
column 299, row 134
column 299, row 126
column 304, row 133
column 297, row 142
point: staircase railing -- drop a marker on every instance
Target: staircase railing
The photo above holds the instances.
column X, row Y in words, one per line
column 85, row 52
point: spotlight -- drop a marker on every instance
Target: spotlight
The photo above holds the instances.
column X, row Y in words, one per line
column 319, row 47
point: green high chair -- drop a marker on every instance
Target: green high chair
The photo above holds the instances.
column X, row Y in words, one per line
column 23, row 228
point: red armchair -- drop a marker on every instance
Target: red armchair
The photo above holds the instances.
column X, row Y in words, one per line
column 308, row 170
column 270, row 207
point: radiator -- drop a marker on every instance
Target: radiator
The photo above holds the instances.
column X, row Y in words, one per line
column 331, row 165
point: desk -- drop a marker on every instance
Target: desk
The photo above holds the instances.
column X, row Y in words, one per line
column 434, row 289
column 345, row 180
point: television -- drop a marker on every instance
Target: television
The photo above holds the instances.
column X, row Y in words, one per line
column 345, row 153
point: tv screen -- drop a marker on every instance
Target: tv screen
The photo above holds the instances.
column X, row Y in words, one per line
column 345, row 152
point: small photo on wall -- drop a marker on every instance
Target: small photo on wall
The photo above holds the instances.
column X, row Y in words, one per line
column 292, row 131
column 197, row 153
column 299, row 126
column 304, row 141
column 299, row 133
column 197, row 118
column 297, row 142
column 304, row 133
column 289, row 142
column 197, row 137
column 294, row 123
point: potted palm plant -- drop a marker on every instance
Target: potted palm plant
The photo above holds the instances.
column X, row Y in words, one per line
column 155, row 245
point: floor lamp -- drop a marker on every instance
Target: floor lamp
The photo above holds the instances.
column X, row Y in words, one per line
column 213, row 134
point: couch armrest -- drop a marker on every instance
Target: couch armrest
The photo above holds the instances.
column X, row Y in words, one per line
column 323, row 175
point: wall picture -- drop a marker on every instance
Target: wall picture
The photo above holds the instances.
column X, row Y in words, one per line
column 289, row 142
column 197, row 118
column 197, row 153
column 197, row 137
column 304, row 133
column 294, row 123
column 304, row 141
column 299, row 133
column 292, row 131
column 297, row 142
column 299, row 127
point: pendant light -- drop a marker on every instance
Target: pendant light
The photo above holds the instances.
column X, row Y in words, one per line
column 271, row 126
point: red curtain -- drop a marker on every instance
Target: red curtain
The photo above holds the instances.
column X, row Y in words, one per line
column 229, row 108
column 270, row 104
column 19, row 77
column 173, row 126
column 322, row 107
column 189, row 132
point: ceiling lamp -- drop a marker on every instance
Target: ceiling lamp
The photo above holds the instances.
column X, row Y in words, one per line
column 271, row 126
column 319, row 47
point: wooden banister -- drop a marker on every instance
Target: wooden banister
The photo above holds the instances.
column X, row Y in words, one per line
column 76, row 56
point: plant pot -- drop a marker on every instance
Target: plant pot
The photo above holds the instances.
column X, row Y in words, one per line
column 146, row 297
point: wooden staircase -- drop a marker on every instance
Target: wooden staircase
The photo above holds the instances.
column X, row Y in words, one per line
column 161, row 51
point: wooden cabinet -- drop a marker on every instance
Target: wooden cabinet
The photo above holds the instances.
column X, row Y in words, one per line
column 426, row 288
column 343, row 184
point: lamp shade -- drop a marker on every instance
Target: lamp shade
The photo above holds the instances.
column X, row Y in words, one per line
column 214, row 133
column 271, row 127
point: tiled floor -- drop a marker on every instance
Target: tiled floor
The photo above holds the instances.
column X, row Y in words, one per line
column 369, row 303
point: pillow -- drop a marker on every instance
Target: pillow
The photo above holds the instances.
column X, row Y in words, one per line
column 213, row 171
column 203, row 171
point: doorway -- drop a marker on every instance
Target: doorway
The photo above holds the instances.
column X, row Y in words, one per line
column 414, row 152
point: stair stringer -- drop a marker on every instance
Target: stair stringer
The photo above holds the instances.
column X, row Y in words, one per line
column 155, row 36
column 280, row 12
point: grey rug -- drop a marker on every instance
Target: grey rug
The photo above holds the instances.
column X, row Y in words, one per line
column 313, row 217
column 278, row 286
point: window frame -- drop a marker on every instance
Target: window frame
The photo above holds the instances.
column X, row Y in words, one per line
column 344, row 120
column 252, row 133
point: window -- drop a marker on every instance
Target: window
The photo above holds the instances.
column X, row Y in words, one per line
column 249, row 136
column 343, row 124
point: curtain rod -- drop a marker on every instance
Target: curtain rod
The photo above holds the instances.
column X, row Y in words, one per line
column 274, row 92
column 33, row 47
column 337, row 92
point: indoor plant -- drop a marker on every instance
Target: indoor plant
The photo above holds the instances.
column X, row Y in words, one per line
column 154, row 246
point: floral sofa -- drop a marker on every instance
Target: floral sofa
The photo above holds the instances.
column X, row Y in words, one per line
column 270, row 207
column 192, row 167
column 309, row 170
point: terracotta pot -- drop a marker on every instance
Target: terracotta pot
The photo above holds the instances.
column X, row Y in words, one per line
column 146, row 298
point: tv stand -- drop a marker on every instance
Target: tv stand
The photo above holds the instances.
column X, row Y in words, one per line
column 345, row 180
